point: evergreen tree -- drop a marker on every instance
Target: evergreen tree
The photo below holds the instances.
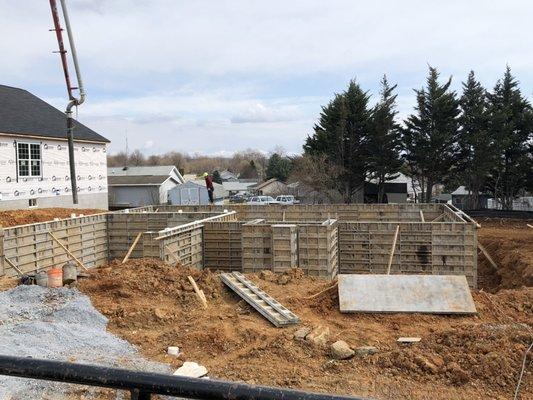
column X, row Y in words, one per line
column 342, row 137
column 249, row 171
column 216, row 176
column 430, row 136
column 278, row 167
column 385, row 140
column 511, row 127
column 475, row 141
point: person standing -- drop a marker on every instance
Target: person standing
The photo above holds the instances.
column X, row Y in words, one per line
column 209, row 186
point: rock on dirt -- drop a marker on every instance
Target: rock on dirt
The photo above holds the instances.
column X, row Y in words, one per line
column 301, row 333
column 319, row 335
column 341, row 351
column 366, row 351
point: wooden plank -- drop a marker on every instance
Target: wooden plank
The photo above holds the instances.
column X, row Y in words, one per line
column 438, row 218
column 422, row 216
column 487, row 255
column 12, row 264
column 198, row 292
column 68, row 251
column 176, row 259
column 393, row 248
column 128, row 254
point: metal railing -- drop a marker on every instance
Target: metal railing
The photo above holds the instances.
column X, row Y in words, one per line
column 142, row 385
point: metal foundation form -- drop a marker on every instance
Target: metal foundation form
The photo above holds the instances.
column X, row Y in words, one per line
column 323, row 240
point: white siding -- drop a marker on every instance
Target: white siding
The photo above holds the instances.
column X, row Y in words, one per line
column 91, row 169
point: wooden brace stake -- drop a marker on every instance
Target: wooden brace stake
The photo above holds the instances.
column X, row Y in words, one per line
column 393, row 248
column 13, row 266
column 422, row 216
column 172, row 254
column 68, row 251
column 487, row 255
column 323, row 291
column 198, row 292
column 439, row 217
column 132, row 247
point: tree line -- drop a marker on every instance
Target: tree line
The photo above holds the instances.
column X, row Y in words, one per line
column 479, row 138
column 248, row 164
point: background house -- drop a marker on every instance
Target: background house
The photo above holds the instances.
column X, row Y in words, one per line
column 461, row 198
column 395, row 192
column 34, row 160
column 228, row 176
column 271, row 187
column 238, row 187
column 141, row 186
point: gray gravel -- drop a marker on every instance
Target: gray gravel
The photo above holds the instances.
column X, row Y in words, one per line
column 59, row 324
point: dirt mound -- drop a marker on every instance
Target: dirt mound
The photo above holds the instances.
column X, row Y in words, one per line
column 23, row 217
column 510, row 244
column 152, row 305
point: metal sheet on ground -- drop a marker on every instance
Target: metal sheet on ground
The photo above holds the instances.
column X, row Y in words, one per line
column 433, row 294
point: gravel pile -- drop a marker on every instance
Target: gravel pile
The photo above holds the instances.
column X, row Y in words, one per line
column 59, row 324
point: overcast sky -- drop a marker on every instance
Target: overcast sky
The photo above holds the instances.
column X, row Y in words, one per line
column 219, row 76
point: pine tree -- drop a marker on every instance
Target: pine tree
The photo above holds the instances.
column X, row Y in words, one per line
column 342, row 137
column 475, row 141
column 216, row 176
column 278, row 167
column 385, row 139
column 430, row 136
column 511, row 126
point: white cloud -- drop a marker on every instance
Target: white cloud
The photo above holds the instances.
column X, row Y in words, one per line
column 231, row 74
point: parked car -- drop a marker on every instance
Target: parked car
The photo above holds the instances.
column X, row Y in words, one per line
column 287, row 199
column 262, row 200
column 238, row 198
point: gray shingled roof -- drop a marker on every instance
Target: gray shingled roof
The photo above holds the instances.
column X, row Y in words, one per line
column 141, row 170
column 22, row 113
column 137, row 180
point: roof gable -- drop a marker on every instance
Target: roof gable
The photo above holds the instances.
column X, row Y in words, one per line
column 22, row 113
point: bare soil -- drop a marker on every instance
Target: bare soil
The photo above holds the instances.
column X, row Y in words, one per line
column 510, row 244
column 153, row 306
column 23, row 217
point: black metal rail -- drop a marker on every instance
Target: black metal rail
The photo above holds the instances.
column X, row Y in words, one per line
column 142, row 385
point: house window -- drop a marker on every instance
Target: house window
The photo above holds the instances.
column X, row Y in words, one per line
column 32, row 202
column 29, row 159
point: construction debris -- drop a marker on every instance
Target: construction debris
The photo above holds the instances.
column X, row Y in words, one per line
column 191, row 369
column 409, row 340
column 258, row 299
column 173, row 351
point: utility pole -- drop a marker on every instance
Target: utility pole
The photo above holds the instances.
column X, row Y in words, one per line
column 73, row 101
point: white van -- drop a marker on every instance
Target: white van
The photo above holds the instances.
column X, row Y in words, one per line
column 262, row 200
column 286, row 199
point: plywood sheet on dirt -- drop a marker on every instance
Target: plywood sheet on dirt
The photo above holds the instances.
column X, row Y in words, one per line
column 433, row 294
